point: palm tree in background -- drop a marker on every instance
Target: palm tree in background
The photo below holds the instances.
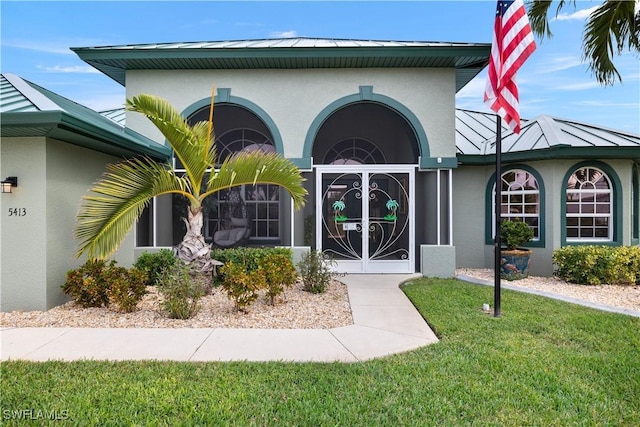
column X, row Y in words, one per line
column 612, row 27
column 119, row 198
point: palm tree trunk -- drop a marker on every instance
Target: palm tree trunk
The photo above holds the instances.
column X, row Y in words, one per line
column 193, row 249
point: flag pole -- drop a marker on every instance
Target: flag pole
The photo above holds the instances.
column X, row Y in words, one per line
column 498, row 211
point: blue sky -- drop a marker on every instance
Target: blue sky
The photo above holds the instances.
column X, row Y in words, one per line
column 35, row 39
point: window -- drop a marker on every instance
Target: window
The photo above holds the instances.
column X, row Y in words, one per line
column 354, row 151
column 520, row 200
column 589, row 205
column 259, row 203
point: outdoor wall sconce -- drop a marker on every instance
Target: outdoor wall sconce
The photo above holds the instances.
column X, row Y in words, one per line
column 7, row 184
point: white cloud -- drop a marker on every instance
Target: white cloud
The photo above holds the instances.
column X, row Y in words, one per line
column 558, row 63
column 570, row 87
column 55, row 48
column 83, row 69
column 103, row 102
column 473, row 89
column 608, row 104
column 578, row 15
column 284, row 34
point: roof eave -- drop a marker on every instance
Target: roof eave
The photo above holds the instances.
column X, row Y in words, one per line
column 65, row 127
column 632, row 153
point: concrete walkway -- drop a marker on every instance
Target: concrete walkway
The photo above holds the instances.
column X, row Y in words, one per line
column 385, row 322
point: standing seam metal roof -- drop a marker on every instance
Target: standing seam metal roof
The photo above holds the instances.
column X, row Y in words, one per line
column 476, row 136
column 468, row 59
column 30, row 110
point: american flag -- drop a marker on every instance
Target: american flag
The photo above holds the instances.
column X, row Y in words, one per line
column 512, row 44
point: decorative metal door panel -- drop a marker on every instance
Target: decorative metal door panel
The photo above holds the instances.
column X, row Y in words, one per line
column 366, row 223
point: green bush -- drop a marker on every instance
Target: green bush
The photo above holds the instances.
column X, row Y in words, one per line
column 88, row 284
column 596, row 265
column 127, row 288
column 315, row 270
column 242, row 285
column 247, row 271
column 154, row 262
column 181, row 291
column 515, row 233
column 97, row 283
column 279, row 273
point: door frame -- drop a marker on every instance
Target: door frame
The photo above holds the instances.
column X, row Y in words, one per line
column 365, row 265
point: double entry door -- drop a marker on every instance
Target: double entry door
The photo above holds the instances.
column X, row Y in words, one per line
column 364, row 217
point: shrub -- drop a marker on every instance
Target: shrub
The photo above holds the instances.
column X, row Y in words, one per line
column 247, row 271
column 97, row 283
column 242, row 285
column 88, row 284
column 127, row 288
column 279, row 272
column 595, row 265
column 315, row 270
column 515, row 233
column 181, row 291
column 154, row 263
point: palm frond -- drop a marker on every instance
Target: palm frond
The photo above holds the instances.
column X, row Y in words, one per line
column 191, row 144
column 258, row 168
column 118, row 199
column 609, row 28
column 537, row 12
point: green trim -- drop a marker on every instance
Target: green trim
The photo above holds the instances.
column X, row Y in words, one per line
column 302, row 163
column 366, row 93
column 438, row 163
column 635, row 204
column 554, row 153
column 74, row 130
column 489, row 202
column 467, row 59
column 224, row 96
column 617, row 204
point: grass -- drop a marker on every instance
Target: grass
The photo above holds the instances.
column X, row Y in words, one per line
column 543, row 363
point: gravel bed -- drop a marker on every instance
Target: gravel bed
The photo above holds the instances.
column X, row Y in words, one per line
column 627, row 297
column 295, row 309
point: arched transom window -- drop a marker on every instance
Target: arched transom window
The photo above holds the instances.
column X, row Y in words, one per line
column 354, row 151
column 520, row 195
column 589, row 205
column 242, row 139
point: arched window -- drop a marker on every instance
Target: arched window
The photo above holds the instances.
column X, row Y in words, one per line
column 239, row 130
column 589, row 205
column 520, row 193
column 354, row 151
column 242, row 139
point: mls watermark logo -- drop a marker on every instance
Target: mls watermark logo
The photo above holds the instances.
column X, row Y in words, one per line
column 35, row 414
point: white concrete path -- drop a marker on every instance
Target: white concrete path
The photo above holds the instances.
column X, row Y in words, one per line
column 385, row 322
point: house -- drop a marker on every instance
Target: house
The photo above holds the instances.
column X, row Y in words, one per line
column 398, row 179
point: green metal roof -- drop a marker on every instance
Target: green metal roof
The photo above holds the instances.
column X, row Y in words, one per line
column 544, row 137
column 468, row 59
column 27, row 109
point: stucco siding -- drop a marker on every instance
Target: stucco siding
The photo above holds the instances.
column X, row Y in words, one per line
column 471, row 210
column 71, row 171
column 23, row 225
column 469, row 185
column 37, row 220
column 294, row 98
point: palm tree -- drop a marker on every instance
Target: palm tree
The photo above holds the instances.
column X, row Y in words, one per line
column 118, row 199
column 612, row 27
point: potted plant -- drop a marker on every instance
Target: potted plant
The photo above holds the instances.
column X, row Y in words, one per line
column 514, row 260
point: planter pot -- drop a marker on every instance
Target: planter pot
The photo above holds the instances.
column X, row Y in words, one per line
column 514, row 264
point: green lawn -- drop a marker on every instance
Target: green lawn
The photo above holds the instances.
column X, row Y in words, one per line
column 543, row 363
